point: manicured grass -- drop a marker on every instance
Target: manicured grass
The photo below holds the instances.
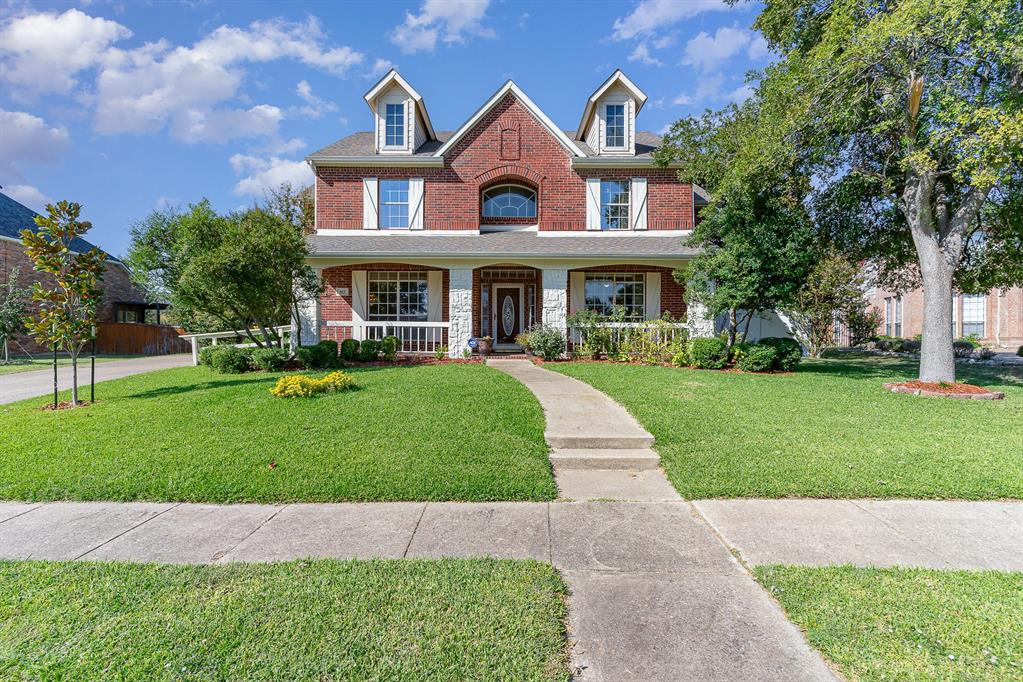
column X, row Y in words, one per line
column 441, row 432
column 18, row 365
column 829, row 430
column 907, row 624
column 315, row 620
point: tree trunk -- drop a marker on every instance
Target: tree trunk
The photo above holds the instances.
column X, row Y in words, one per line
column 733, row 326
column 937, row 358
column 74, row 379
column 7, row 355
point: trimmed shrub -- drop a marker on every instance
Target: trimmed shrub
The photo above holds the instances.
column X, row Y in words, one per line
column 307, row 356
column 737, row 350
column 983, row 353
column 269, row 359
column 319, row 355
column 349, row 350
column 547, row 342
column 789, row 352
column 231, row 360
column 301, row 386
column 389, row 348
column 369, row 350
column 889, row 343
column 911, row 346
column 758, row 358
column 709, row 353
column 206, row 354
column 328, row 351
column 962, row 348
column 1019, row 351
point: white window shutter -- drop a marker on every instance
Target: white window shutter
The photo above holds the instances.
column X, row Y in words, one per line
column 577, row 289
column 592, row 203
column 369, row 204
column 653, row 295
column 638, row 208
column 435, row 295
column 360, row 294
column 415, row 203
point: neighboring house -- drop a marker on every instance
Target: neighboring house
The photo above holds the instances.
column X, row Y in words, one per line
column 122, row 302
column 507, row 222
column 995, row 317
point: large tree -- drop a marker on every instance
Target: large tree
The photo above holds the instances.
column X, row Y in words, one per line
column 908, row 115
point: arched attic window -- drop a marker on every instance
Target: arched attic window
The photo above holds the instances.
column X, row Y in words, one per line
column 509, row 200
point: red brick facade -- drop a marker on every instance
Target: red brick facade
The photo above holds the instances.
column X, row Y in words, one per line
column 451, row 199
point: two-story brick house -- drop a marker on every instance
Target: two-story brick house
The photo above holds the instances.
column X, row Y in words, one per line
column 506, row 222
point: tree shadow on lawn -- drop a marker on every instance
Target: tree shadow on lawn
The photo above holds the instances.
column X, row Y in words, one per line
column 205, row 385
column 875, row 367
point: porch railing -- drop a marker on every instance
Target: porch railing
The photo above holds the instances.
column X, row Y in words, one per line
column 659, row 332
column 215, row 338
column 413, row 337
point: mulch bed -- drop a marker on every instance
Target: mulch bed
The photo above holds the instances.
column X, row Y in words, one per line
column 944, row 390
column 63, row 405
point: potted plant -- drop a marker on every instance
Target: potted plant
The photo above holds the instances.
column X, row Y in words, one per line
column 523, row 340
column 486, row 345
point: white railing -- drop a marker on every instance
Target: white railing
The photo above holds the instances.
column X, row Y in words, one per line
column 413, row 337
column 660, row 332
column 215, row 337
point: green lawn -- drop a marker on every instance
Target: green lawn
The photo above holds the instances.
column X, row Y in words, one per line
column 18, row 365
column 907, row 624
column 313, row 620
column 438, row 432
column 830, row 430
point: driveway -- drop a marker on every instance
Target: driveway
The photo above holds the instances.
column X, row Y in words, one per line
column 21, row 385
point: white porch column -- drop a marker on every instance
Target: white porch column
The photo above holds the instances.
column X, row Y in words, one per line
column 555, row 297
column 308, row 325
column 459, row 310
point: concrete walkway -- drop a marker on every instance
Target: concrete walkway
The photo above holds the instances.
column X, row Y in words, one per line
column 599, row 451
column 928, row 534
column 654, row 594
column 21, row 385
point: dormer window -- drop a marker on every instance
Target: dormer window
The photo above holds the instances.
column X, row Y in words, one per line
column 395, row 122
column 614, row 126
column 509, row 201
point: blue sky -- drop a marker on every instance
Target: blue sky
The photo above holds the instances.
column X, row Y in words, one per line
column 125, row 107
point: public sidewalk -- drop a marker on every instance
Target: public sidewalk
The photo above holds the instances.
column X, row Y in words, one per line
column 21, row 385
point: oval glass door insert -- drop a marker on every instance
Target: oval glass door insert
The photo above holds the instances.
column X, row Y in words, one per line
column 508, row 315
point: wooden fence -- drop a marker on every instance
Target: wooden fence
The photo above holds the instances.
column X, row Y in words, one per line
column 139, row 339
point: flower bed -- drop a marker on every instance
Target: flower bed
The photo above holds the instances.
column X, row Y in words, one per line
column 944, row 390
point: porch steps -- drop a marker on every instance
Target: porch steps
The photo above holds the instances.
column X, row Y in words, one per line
column 636, row 459
column 596, row 440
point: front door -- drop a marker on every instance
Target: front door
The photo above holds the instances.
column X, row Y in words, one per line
column 508, row 310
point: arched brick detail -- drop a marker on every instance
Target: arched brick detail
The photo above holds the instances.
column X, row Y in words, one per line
column 508, row 171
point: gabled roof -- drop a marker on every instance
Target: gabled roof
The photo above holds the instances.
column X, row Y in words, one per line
column 15, row 217
column 616, row 78
column 510, row 87
column 393, row 76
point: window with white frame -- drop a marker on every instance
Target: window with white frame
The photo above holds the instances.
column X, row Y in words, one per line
column 509, row 201
column 614, row 204
column 974, row 314
column 893, row 316
column 393, row 204
column 605, row 291
column 398, row 296
column 394, row 121
column 614, row 125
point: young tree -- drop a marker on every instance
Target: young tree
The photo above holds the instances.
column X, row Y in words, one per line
column 67, row 312
column 13, row 311
column 909, row 115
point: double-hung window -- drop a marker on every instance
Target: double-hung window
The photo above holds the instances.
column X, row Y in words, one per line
column 393, row 204
column 606, row 291
column 394, row 121
column 614, row 204
column 893, row 316
column 974, row 314
column 398, row 296
column 614, row 126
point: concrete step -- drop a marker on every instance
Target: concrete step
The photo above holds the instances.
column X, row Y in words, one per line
column 636, row 459
column 614, row 484
column 565, row 441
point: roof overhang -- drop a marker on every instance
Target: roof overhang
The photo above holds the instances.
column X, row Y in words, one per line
column 391, row 77
column 382, row 161
column 510, row 87
column 618, row 162
column 618, row 77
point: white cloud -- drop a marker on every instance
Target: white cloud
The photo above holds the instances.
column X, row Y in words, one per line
column 379, row 68
column 707, row 52
column 28, row 195
column 314, row 106
column 758, row 48
column 740, row 94
column 220, row 125
column 655, row 15
column 682, row 100
column 450, row 21
column 264, row 173
column 27, row 138
column 712, row 89
column 44, row 52
column 141, row 89
column 642, row 54
column 665, row 41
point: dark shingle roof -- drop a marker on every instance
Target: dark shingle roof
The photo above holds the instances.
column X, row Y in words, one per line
column 513, row 243
column 361, row 144
column 15, row 217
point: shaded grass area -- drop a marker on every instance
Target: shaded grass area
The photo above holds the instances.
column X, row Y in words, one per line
column 23, row 364
column 907, row 624
column 315, row 620
column 440, row 432
column 829, row 430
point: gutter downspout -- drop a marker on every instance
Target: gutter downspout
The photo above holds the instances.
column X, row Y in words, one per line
column 998, row 319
